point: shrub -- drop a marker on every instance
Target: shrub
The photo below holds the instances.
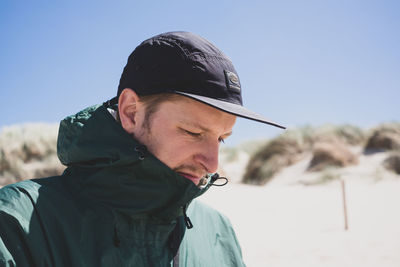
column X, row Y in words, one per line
column 28, row 151
column 392, row 162
column 384, row 137
column 332, row 153
column 278, row 153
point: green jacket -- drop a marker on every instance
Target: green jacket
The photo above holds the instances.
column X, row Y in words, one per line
column 114, row 205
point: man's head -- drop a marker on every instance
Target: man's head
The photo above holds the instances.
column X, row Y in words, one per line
column 179, row 95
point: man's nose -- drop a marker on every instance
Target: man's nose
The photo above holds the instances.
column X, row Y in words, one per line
column 208, row 156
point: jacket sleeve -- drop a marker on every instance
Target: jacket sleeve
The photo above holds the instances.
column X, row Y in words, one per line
column 6, row 259
column 16, row 210
column 13, row 251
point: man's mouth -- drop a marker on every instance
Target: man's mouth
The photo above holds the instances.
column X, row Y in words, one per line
column 192, row 178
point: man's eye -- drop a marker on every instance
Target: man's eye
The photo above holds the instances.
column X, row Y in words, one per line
column 192, row 133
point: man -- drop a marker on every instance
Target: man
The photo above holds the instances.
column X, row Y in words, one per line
column 134, row 169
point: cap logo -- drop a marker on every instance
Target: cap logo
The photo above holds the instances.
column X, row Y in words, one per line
column 232, row 81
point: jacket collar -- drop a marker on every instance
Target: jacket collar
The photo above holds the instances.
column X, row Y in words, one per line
column 106, row 165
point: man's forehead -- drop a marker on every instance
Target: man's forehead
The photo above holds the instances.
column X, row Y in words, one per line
column 194, row 113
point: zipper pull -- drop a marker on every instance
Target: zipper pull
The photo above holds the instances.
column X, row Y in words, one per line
column 187, row 220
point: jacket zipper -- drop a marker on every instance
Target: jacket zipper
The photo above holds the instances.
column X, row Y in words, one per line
column 187, row 220
column 214, row 178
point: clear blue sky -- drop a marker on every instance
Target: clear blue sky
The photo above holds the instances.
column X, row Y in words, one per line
column 300, row 62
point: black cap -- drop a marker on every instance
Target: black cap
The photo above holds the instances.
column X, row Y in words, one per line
column 186, row 64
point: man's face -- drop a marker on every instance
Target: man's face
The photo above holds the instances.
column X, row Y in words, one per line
column 185, row 135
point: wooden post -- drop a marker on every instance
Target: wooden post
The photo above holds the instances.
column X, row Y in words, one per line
column 346, row 225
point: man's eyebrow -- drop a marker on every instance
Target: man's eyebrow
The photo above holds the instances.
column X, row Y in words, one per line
column 195, row 125
column 201, row 127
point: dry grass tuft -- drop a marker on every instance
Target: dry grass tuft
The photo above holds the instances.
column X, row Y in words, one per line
column 28, row 151
column 332, row 153
column 384, row 137
column 277, row 154
column 392, row 162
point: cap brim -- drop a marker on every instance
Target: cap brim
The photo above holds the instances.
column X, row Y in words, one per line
column 231, row 108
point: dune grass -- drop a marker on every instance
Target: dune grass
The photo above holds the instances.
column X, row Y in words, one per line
column 383, row 138
column 392, row 162
column 28, row 151
column 278, row 153
column 289, row 147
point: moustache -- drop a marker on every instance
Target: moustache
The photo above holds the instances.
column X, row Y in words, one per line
column 192, row 170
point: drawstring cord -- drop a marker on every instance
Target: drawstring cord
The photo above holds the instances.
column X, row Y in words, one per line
column 215, row 177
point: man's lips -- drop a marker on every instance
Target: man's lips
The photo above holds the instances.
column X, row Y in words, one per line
column 192, row 178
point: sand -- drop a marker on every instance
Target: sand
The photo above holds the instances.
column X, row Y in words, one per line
column 285, row 223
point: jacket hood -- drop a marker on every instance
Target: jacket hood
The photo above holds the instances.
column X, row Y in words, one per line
column 107, row 165
column 93, row 138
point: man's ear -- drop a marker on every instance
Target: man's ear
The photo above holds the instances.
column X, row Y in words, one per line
column 128, row 106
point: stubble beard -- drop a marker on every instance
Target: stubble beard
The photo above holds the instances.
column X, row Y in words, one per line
column 146, row 138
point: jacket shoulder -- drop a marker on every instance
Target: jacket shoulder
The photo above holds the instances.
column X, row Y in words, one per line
column 203, row 213
column 18, row 199
column 212, row 240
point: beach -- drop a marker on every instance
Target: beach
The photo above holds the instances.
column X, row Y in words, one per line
column 292, row 225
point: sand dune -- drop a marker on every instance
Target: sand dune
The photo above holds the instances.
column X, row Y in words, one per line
column 288, row 224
